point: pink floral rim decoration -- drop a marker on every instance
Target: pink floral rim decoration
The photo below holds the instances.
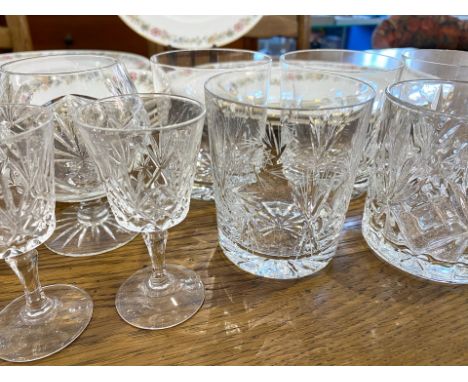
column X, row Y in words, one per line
column 168, row 38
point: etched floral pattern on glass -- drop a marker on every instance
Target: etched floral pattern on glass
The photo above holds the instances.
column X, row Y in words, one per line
column 371, row 67
column 184, row 73
column 416, row 215
column 27, row 202
column 43, row 320
column 284, row 176
column 63, row 83
column 145, row 147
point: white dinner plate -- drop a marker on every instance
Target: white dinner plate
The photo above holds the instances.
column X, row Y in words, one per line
column 191, row 32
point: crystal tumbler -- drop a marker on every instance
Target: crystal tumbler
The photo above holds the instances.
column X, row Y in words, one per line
column 184, row 73
column 435, row 63
column 283, row 174
column 376, row 69
column 416, row 215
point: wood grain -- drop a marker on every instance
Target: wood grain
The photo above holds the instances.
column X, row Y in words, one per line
column 19, row 32
column 303, row 32
column 358, row 311
column 5, row 38
column 269, row 26
column 15, row 35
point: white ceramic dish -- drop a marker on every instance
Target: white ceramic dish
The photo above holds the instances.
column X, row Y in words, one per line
column 191, row 32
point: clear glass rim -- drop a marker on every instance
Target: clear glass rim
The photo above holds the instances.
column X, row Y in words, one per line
column 111, row 62
column 193, row 121
column 40, row 110
column 419, row 109
column 399, row 63
column 407, row 57
column 266, row 59
column 58, row 52
column 267, row 107
column 382, row 52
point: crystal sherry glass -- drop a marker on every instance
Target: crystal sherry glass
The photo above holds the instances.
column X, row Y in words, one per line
column 145, row 147
column 43, row 320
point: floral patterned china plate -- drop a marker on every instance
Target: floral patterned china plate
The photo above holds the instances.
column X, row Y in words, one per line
column 143, row 80
column 191, row 32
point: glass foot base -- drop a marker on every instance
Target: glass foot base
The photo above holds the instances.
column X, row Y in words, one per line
column 23, row 340
column 202, row 191
column 73, row 238
column 269, row 267
column 149, row 308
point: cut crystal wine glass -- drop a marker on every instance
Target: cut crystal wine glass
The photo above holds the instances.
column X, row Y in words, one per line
column 145, row 147
column 43, row 320
column 416, row 213
column 184, row 73
column 283, row 173
column 64, row 82
column 375, row 69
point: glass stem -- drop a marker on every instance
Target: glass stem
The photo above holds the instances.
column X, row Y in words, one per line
column 25, row 266
column 93, row 212
column 156, row 244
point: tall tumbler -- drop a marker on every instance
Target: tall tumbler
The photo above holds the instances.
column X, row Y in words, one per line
column 416, row 213
column 376, row 69
column 184, row 73
column 283, row 175
column 435, row 63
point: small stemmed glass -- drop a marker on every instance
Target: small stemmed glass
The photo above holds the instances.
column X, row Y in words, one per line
column 145, row 147
column 43, row 320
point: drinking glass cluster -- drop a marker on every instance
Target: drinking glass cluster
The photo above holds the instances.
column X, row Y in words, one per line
column 281, row 151
column 378, row 70
column 184, row 73
column 63, row 83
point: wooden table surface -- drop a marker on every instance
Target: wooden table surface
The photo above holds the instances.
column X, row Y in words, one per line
column 358, row 311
